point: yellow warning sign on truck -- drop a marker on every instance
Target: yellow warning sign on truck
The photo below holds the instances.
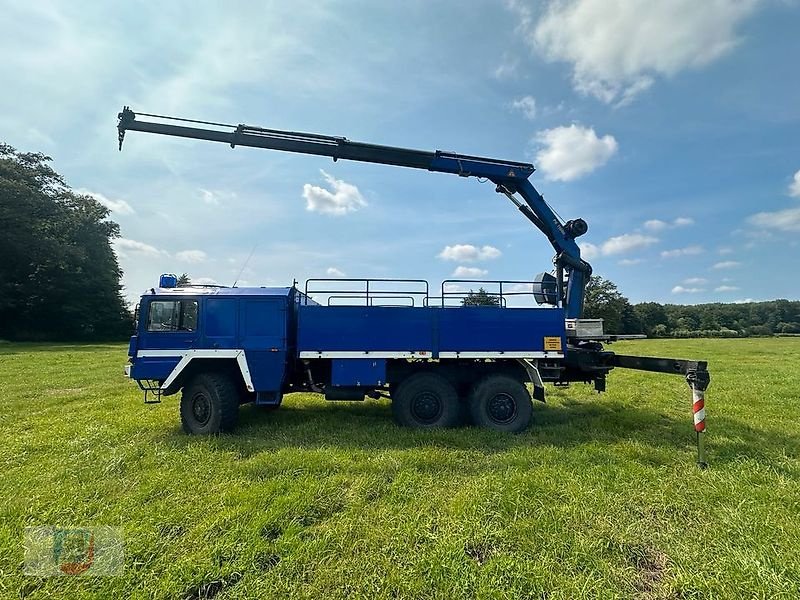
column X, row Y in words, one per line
column 552, row 344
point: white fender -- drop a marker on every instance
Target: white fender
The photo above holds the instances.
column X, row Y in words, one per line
column 188, row 355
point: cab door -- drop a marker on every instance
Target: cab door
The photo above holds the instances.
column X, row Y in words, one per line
column 167, row 329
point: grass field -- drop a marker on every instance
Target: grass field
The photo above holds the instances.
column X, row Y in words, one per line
column 601, row 498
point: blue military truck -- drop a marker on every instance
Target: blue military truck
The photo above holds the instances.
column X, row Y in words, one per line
column 440, row 364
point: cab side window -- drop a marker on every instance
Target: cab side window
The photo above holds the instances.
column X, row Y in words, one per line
column 172, row 315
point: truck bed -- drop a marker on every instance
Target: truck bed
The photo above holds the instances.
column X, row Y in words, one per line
column 430, row 332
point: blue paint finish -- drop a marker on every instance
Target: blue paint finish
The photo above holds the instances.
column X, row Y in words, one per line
column 267, row 369
column 484, row 328
column 157, row 368
column 263, row 323
column 364, row 329
column 364, row 372
column 219, row 322
column 132, row 346
column 456, row 329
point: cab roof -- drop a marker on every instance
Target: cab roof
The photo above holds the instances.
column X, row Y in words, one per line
column 218, row 291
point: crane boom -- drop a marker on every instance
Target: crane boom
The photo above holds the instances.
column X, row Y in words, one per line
column 510, row 178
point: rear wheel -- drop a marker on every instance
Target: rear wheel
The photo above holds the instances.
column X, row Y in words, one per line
column 209, row 404
column 426, row 400
column 502, row 403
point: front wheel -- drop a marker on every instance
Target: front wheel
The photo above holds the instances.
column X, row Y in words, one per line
column 502, row 403
column 209, row 404
column 426, row 400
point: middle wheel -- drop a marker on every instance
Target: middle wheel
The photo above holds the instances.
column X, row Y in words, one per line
column 502, row 403
column 426, row 400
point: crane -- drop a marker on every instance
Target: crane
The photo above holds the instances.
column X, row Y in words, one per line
column 510, row 178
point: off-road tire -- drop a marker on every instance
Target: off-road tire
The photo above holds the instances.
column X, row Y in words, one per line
column 426, row 400
column 500, row 402
column 209, row 404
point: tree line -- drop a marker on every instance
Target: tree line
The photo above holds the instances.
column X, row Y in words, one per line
column 605, row 301
column 59, row 276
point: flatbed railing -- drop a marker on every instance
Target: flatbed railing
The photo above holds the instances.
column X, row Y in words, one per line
column 365, row 292
column 500, row 289
column 345, row 291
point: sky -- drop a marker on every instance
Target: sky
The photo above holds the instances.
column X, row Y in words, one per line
column 671, row 126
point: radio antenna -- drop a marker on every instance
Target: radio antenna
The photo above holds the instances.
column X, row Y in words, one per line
column 244, row 265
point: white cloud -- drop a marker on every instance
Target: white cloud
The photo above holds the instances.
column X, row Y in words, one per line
column 341, row 199
column 794, row 188
column 617, row 49
column 568, row 153
column 119, row 207
column 191, row 256
column 726, row 264
column 687, row 251
column 726, row 288
column 626, row 242
column 695, row 281
column 679, row 289
column 589, row 250
column 783, row 220
column 619, row 244
column 659, row 225
column 334, row 272
column 126, row 245
column 725, row 250
column 215, row 197
column 469, row 253
column 469, row 272
column 507, row 68
column 206, row 281
column 526, row 105
column 655, row 225
column 209, row 197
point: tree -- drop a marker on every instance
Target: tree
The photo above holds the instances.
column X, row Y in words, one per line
column 604, row 301
column 184, row 280
column 59, row 277
column 659, row 330
column 480, row 298
column 652, row 315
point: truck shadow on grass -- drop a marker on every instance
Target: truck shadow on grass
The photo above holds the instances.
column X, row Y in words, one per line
column 566, row 424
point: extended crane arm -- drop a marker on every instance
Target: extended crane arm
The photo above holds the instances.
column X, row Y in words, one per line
column 510, row 178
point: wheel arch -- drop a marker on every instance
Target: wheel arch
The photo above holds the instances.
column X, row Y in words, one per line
column 192, row 364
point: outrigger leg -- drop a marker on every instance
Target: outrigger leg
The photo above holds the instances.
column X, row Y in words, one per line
column 698, row 381
column 698, row 378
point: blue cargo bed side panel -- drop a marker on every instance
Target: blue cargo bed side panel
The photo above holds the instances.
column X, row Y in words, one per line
column 408, row 329
column 365, row 329
column 482, row 328
column 358, row 372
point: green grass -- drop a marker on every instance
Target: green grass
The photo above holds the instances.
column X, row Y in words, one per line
column 601, row 498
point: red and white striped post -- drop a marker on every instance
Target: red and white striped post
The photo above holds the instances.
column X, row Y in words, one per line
column 698, row 381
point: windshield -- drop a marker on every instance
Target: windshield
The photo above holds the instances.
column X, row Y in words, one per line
column 172, row 315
